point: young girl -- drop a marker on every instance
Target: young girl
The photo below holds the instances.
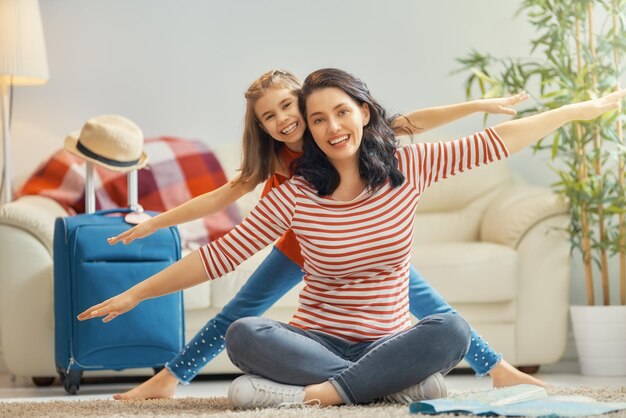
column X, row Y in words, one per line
column 272, row 139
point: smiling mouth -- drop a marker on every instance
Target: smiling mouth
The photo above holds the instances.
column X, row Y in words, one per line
column 289, row 129
column 339, row 139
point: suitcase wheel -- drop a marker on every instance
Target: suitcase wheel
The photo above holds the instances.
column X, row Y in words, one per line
column 71, row 380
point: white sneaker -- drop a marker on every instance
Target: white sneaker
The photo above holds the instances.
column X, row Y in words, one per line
column 250, row 391
column 432, row 387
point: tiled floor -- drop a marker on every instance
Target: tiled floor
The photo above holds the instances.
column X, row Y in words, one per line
column 20, row 389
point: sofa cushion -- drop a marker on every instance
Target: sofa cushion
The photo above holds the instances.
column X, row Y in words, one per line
column 516, row 210
column 459, row 225
column 471, row 272
column 461, row 190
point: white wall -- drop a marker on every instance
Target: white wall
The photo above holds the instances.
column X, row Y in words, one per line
column 181, row 67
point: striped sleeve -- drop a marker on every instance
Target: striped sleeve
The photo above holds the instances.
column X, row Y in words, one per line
column 426, row 163
column 269, row 220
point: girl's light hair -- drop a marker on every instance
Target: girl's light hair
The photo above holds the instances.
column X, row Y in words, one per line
column 260, row 151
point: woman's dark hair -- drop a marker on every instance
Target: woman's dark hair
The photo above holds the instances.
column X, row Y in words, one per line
column 377, row 153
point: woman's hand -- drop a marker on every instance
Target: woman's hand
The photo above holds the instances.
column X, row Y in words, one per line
column 593, row 108
column 111, row 308
column 141, row 230
column 502, row 105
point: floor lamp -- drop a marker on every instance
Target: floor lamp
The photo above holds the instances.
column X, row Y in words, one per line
column 22, row 62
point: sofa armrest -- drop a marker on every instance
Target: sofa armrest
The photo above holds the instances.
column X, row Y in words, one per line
column 533, row 220
column 26, row 285
column 35, row 215
column 515, row 211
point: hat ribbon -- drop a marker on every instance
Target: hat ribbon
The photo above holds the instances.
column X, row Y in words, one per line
column 87, row 152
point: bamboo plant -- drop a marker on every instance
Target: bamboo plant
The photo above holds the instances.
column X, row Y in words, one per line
column 579, row 53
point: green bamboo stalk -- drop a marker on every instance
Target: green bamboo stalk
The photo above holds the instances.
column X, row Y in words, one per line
column 582, row 174
column 620, row 167
column 597, row 165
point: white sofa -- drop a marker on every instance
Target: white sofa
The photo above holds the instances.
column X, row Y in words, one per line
column 492, row 245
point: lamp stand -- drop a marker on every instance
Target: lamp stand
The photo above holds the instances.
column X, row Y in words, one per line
column 7, row 191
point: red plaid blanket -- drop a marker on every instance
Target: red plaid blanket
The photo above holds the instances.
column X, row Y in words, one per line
column 178, row 170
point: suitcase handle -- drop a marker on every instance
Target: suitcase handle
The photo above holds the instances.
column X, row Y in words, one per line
column 90, row 196
column 109, row 211
column 131, row 216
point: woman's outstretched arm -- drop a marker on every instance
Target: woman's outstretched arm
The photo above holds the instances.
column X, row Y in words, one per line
column 183, row 274
column 423, row 120
column 518, row 134
column 265, row 223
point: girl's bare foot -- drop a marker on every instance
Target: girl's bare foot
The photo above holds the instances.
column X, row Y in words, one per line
column 503, row 374
column 161, row 385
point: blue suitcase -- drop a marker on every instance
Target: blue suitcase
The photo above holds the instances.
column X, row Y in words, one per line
column 87, row 271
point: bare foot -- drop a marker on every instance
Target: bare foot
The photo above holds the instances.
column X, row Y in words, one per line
column 503, row 374
column 161, row 385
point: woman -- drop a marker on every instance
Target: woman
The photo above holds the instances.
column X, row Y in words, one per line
column 272, row 139
column 351, row 174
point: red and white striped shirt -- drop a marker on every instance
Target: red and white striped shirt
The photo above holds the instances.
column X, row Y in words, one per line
column 356, row 253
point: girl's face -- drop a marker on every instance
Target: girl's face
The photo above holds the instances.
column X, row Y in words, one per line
column 336, row 122
column 277, row 110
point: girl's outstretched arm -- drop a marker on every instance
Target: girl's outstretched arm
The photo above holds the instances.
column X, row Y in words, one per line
column 517, row 134
column 423, row 120
column 198, row 207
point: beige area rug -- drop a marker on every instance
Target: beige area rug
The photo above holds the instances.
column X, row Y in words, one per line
column 198, row 407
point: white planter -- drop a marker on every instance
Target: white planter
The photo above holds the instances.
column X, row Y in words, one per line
column 600, row 334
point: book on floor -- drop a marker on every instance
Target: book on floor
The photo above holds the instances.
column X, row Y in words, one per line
column 519, row 400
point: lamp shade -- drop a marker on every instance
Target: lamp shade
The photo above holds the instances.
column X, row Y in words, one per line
column 22, row 48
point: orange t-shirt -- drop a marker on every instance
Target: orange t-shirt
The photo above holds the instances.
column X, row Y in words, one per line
column 287, row 244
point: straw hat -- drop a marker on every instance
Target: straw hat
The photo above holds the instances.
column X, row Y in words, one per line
column 111, row 141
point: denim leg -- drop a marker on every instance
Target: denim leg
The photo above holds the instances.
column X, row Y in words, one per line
column 276, row 275
column 284, row 353
column 424, row 301
column 435, row 344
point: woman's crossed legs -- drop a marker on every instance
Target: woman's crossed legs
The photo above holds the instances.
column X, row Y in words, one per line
column 358, row 371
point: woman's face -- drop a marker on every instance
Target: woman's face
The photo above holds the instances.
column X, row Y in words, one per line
column 336, row 122
column 277, row 110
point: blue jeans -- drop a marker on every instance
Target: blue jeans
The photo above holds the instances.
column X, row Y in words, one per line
column 275, row 277
column 361, row 371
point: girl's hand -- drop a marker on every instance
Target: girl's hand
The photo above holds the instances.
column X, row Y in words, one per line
column 111, row 308
column 138, row 231
column 593, row 108
column 502, row 105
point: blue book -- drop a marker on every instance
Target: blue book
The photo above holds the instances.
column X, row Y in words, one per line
column 519, row 400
